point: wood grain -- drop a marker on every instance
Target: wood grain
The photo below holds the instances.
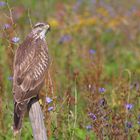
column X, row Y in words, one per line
column 37, row 121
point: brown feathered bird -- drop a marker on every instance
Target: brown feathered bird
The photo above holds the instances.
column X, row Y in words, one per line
column 30, row 65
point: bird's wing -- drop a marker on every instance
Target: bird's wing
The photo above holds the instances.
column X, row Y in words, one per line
column 30, row 69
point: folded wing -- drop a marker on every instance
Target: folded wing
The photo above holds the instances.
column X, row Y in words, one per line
column 30, row 68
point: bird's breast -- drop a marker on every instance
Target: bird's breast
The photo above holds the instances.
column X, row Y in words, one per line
column 41, row 65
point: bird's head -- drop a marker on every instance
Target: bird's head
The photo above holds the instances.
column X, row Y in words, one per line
column 40, row 30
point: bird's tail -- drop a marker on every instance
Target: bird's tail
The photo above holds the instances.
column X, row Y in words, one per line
column 18, row 116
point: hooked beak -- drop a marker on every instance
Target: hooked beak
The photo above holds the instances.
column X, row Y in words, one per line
column 47, row 27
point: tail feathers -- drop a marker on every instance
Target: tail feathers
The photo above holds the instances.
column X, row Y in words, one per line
column 17, row 119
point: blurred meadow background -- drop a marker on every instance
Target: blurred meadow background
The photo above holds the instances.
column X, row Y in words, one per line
column 92, row 91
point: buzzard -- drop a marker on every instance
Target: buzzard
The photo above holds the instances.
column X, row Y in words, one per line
column 30, row 65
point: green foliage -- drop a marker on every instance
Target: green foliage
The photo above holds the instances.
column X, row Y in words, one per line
column 81, row 134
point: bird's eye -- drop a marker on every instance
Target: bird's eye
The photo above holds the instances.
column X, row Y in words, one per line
column 39, row 25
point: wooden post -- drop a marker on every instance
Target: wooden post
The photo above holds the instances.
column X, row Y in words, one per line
column 37, row 121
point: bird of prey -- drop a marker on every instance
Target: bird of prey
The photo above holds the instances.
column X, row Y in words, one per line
column 30, row 66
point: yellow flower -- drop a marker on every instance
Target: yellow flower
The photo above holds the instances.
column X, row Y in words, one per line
column 54, row 23
column 81, row 24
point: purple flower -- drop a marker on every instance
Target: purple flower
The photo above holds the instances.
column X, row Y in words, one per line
column 89, row 127
column 50, row 108
column 102, row 102
column 48, row 100
column 2, row 3
column 91, row 51
column 102, row 90
column 92, row 116
column 65, row 38
column 128, row 124
column 15, row 39
column 129, row 106
column 139, row 119
column 10, row 78
column 6, row 26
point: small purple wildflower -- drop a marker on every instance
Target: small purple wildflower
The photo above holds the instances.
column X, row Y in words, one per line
column 89, row 127
column 91, row 51
column 15, row 39
column 48, row 100
column 10, row 78
column 6, row 26
column 139, row 119
column 129, row 106
column 102, row 102
column 92, row 116
column 2, row 3
column 50, row 108
column 65, row 38
column 128, row 124
column 102, row 90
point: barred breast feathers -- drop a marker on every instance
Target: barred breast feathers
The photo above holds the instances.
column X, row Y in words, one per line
column 42, row 64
